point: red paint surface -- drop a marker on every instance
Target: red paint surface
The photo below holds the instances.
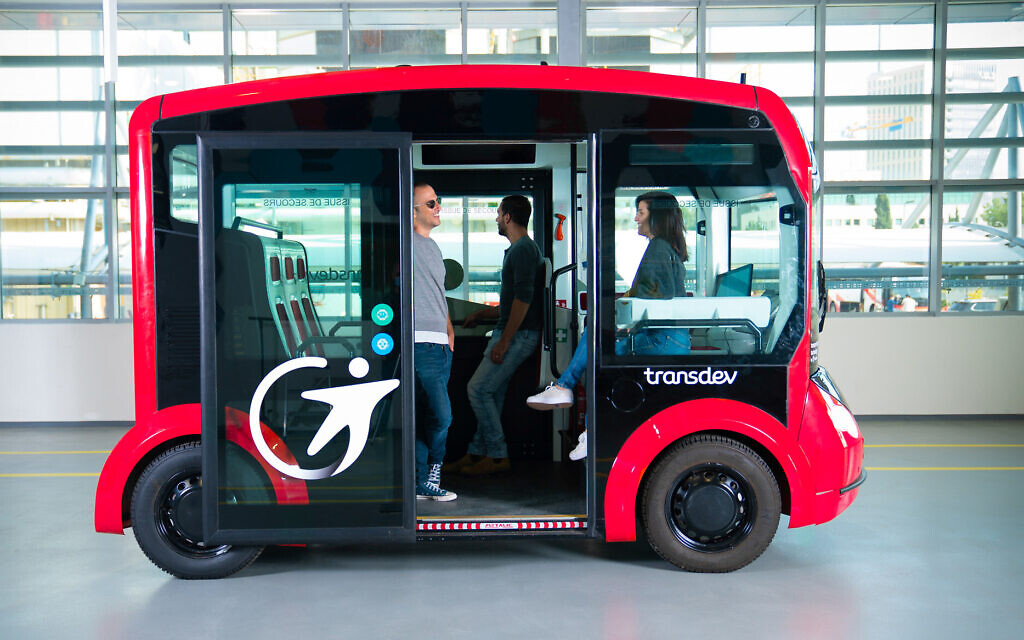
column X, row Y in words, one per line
column 176, row 424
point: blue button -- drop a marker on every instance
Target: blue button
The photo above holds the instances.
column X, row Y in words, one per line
column 382, row 315
column 382, row 344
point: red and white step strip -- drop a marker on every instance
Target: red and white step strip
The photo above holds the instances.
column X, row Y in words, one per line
column 501, row 526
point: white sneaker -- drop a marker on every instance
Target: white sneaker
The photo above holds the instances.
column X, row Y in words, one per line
column 554, row 397
column 580, row 451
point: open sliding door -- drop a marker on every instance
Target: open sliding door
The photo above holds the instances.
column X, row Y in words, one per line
column 307, row 404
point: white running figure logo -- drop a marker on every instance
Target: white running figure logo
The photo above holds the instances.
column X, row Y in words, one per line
column 351, row 406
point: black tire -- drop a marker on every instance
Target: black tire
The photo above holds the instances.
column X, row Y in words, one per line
column 710, row 505
column 166, row 514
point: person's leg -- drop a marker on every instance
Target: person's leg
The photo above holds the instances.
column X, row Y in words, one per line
column 523, row 345
column 439, row 403
column 664, row 342
column 481, row 394
column 433, row 368
column 577, row 365
column 489, row 380
column 677, row 342
column 655, row 342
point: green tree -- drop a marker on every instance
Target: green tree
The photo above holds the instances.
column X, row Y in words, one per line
column 994, row 213
column 883, row 218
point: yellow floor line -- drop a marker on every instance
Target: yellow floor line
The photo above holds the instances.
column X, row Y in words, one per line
column 945, row 468
column 49, row 475
column 894, row 446
column 48, row 453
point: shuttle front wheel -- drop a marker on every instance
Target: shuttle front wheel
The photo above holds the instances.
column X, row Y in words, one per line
column 167, row 519
column 711, row 505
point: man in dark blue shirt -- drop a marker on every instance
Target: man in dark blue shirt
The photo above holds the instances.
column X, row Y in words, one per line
column 514, row 339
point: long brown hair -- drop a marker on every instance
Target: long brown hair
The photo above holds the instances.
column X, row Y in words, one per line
column 666, row 219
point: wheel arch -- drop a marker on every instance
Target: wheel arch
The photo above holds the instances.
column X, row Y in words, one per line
column 737, row 420
column 780, row 474
column 165, row 430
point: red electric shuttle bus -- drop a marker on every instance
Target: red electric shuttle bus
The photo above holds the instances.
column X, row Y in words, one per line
column 272, row 270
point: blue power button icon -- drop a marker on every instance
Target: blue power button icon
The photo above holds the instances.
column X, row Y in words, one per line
column 382, row 344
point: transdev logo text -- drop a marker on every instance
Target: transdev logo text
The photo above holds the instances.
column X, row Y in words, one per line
column 705, row 376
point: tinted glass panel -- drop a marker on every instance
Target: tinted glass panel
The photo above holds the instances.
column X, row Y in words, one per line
column 726, row 284
column 306, row 248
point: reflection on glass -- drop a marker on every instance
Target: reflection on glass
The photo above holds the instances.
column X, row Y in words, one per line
column 982, row 251
column 139, row 83
column 384, row 38
column 503, row 33
column 994, row 158
column 300, row 266
column 875, row 251
column 322, row 218
column 177, row 33
column 878, row 77
column 51, row 33
column 54, row 259
column 752, row 29
column 277, row 32
column 783, row 78
column 658, row 39
column 124, row 258
column 984, row 25
column 878, row 164
column 879, row 27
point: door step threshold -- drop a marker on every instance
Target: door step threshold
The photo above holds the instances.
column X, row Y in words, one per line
column 500, row 524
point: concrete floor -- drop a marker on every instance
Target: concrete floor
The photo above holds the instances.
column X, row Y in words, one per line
column 926, row 551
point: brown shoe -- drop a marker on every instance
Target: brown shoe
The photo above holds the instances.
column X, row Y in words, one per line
column 465, row 461
column 488, row 466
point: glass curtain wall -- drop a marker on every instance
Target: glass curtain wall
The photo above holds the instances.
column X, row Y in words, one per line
column 915, row 109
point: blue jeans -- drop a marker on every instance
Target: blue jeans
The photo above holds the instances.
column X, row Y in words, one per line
column 577, row 365
column 433, row 364
column 655, row 342
column 486, row 392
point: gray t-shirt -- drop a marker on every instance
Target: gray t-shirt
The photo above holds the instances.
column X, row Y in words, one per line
column 522, row 278
column 430, row 308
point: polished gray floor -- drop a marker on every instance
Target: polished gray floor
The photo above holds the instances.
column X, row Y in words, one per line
column 930, row 549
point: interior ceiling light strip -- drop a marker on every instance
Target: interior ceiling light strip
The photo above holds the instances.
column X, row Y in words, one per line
column 494, row 526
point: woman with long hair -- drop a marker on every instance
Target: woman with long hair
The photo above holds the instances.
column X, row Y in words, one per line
column 661, row 274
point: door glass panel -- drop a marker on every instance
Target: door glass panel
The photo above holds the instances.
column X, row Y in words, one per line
column 307, row 272
column 705, row 260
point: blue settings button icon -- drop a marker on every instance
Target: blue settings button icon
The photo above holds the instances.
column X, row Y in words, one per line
column 382, row 344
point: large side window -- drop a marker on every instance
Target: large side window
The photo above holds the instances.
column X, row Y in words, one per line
column 702, row 247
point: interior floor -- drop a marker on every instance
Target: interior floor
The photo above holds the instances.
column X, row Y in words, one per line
column 928, row 550
column 532, row 489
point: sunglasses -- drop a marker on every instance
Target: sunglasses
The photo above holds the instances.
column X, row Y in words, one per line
column 430, row 204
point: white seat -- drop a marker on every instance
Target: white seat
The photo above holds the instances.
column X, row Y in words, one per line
column 756, row 309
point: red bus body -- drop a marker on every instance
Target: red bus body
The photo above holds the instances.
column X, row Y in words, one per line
column 817, row 456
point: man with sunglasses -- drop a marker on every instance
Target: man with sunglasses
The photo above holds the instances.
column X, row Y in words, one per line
column 514, row 339
column 435, row 342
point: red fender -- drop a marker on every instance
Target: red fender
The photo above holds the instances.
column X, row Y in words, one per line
column 178, row 423
column 671, row 424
